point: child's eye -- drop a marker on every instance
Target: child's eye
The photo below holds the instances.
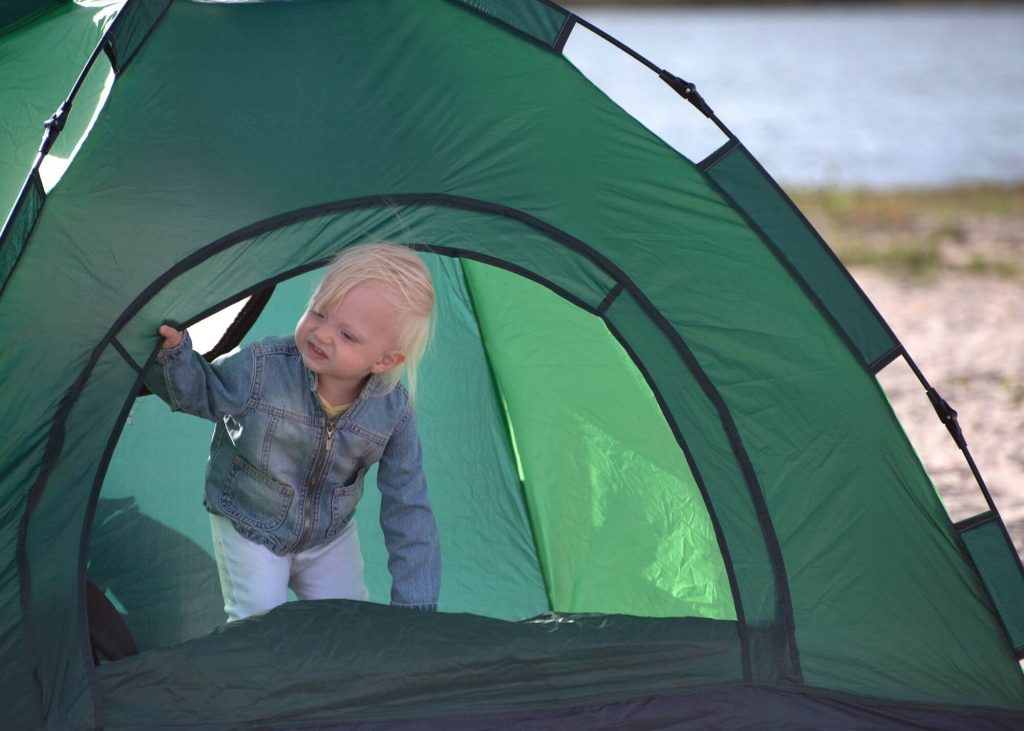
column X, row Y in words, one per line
column 317, row 314
column 347, row 336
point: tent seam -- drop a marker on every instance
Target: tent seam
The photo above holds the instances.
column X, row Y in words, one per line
column 496, row 384
column 124, row 354
column 723, row 546
column 90, row 515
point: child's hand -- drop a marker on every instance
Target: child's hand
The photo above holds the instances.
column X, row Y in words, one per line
column 171, row 336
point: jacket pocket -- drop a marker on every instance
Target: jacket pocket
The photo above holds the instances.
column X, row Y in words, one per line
column 254, row 499
column 344, row 502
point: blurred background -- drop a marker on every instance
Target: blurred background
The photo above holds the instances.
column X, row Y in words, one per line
column 898, row 128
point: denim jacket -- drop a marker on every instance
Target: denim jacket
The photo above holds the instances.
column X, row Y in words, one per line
column 287, row 477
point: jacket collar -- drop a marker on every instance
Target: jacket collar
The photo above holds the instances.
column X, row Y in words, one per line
column 376, row 386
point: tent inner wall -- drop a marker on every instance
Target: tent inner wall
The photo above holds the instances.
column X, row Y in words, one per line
column 605, row 487
column 620, row 523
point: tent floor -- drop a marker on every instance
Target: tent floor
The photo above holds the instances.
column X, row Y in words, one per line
column 355, row 665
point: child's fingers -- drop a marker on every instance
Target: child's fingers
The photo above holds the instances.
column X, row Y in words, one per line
column 171, row 336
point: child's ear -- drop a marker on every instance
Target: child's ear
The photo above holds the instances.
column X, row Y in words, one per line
column 391, row 359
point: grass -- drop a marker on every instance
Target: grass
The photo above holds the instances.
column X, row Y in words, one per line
column 920, row 233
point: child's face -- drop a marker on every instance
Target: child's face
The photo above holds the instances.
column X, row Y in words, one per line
column 346, row 343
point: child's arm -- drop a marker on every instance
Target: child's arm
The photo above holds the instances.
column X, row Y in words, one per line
column 410, row 532
column 188, row 383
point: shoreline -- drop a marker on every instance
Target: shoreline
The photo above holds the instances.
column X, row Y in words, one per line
column 922, row 232
column 963, row 332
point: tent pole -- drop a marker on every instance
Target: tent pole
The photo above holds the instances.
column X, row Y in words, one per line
column 685, row 89
column 53, row 126
column 948, row 416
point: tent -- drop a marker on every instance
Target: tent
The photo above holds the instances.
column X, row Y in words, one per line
column 670, row 491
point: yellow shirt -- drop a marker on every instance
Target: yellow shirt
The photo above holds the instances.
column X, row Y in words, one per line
column 333, row 412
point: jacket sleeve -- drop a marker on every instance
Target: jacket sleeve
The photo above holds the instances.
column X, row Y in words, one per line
column 410, row 532
column 184, row 379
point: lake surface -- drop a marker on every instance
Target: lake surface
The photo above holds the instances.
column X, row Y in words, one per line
column 829, row 95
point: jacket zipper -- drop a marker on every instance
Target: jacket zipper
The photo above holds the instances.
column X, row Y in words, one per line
column 312, row 495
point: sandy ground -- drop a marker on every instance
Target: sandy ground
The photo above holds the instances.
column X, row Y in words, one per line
column 966, row 334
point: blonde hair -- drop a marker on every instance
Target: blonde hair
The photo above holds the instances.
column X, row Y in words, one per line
column 408, row 288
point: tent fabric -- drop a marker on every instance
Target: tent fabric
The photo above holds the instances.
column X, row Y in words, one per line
column 750, row 187
column 44, row 52
column 410, row 664
column 18, row 228
column 597, row 461
column 130, row 30
column 631, row 673
column 20, row 12
column 43, row 47
column 542, row 21
column 999, row 566
column 773, row 515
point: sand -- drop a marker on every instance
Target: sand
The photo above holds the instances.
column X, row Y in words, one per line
column 966, row 334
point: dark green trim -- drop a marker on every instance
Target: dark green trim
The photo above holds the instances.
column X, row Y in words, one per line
column 886, row 359
column 92, row 675
column 792, row 265
column 980, row 522
column 131, row 29
column 29, row 203
column 975, row 521
column 609, row 300
column 563, row 35
column 539, row 21
column 723, row 545
column 781, row 257
column 124, row 354
column 711, row 160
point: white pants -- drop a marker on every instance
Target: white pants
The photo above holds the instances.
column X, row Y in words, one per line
column 254, row 579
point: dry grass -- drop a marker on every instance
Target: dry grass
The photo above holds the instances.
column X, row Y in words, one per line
column 923, row 232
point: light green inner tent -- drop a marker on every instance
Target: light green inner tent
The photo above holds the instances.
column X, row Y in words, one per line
column 652, row 394
column 558, row 518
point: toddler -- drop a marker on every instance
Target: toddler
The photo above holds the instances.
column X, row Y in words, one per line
column 299, row 421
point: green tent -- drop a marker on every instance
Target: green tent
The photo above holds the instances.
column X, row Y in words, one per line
column 669, row 489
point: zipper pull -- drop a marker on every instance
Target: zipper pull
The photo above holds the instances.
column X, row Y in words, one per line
column 330, row 433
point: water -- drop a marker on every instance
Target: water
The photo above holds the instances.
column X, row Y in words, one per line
column 863, row 96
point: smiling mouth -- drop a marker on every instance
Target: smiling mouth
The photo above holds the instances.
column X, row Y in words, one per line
column 316, row 351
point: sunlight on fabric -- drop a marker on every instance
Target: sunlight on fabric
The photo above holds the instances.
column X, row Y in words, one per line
column 53, row 166
column 92, row 96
